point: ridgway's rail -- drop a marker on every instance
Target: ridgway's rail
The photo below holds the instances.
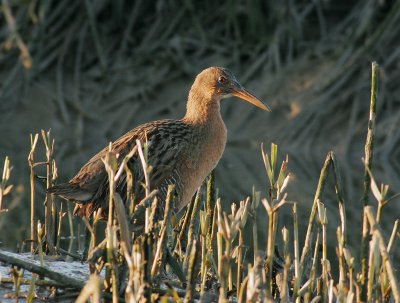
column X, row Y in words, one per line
column 181, row 152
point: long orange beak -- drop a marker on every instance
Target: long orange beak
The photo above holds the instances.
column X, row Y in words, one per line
column 243, row 94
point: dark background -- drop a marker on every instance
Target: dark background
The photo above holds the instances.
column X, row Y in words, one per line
column 92, row 70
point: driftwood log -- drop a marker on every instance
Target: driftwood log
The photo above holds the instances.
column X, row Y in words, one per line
column 67, row 274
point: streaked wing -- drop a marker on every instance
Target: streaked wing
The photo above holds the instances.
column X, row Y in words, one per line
column 166, row 141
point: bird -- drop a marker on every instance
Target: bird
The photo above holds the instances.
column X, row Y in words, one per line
column 181, row 152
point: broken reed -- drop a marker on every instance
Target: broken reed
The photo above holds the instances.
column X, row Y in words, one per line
column 5, row 188
column 206, row 245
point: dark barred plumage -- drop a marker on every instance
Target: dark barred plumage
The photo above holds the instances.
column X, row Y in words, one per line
column 180, row 152
column 165, row 140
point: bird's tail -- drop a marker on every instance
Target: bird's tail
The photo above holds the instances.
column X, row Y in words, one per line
column 70, row 191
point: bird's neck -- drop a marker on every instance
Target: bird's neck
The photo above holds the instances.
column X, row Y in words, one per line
column 202, row 109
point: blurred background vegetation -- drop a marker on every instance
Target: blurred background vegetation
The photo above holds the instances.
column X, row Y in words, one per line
column 92, row 70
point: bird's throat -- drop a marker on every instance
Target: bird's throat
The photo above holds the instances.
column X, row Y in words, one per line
column 202, row 111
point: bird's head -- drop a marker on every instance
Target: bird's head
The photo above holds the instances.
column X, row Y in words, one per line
column 220, row 83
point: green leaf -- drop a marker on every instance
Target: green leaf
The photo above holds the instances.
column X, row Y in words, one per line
column 268, row 167
column 255, row 199
column 274, row 153
column 203, row 222
column 8, row 189
column 375, row 190
column 282, row 172
column 384, row 191
column 34, row 141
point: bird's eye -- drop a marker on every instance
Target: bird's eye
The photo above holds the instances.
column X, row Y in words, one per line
column 221, row 79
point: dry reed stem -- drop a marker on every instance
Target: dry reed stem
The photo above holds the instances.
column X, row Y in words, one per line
column 296, row 260
column 221, row 264
column 340, row 196
column 91, row 291
column 321, row 184
column 193, row 228
column 369, row 145
column 313, row 271
column 40, row 242
column 373, row 266
column 158, row 256
column 111, row 279
column 203, row 234
column 208, row 227
column 253, row 214
column 339, row 252
column 61, row 215
column 393, row 236
column 272, row 223
column 31, row 163
column 190, row 276
column 284, row 291
column 182, row 227
column 123, row 223
column 147, row 182
column 50, row 226
column 324, row 222
column 376, row 231
column 4, row 188
column 245, row 205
